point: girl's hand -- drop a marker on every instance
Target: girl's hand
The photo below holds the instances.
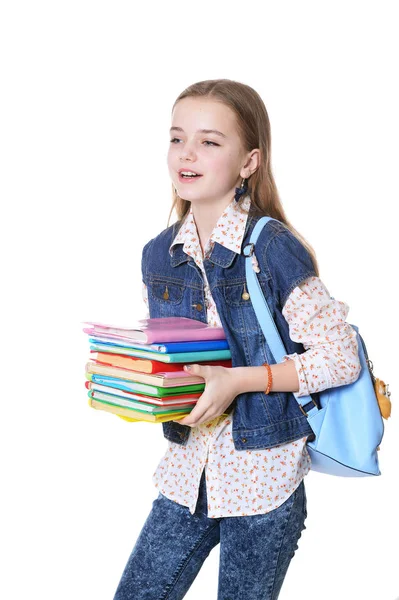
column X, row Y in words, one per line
column 221, row 387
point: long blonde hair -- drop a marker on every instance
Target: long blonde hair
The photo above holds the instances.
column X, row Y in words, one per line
column 254, row 130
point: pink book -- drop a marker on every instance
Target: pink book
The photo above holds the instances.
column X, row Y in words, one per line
column 173, row 374
column 164, row 329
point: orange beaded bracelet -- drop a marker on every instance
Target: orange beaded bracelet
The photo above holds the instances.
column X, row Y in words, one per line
column 269, row 378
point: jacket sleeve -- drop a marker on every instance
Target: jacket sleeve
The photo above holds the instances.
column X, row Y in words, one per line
column 318, row 321
column 144, row 260
column 288, row 262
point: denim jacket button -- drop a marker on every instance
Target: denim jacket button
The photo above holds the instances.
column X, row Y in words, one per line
column 244, row 440
column 198, row 306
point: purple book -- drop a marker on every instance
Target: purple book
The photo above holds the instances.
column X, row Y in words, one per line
column 157, row 330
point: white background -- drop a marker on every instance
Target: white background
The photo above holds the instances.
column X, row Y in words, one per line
column 87, row 93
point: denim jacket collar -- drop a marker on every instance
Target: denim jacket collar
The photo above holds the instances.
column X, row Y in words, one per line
column 220, row 255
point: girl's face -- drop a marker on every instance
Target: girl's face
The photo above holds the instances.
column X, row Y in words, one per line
column 217, row 157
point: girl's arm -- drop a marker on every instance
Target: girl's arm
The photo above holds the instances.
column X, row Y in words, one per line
column 255, row 379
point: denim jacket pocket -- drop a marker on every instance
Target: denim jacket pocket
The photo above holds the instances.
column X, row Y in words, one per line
column 167, row 298
column 165, row 291
column 239, row 309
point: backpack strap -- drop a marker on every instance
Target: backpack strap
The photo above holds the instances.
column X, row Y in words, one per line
column 262, row 309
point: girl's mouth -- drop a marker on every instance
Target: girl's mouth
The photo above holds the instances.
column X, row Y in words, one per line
column 189, row 178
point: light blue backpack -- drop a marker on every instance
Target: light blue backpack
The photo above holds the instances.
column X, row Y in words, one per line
column 348, row 426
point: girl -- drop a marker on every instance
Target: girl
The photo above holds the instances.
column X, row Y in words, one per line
column 233, row 472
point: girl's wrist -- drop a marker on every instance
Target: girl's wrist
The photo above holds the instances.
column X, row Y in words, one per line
column 255, row 379
column 250, row 379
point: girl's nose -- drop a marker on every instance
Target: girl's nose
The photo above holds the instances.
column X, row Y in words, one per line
column 187, row 152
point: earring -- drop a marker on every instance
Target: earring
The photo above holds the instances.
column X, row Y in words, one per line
column 240, row 191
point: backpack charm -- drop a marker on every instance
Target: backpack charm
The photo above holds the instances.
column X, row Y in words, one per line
column 383, row 397
column 255, row 264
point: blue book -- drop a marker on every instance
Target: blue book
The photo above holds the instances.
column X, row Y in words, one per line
column 166, row 347
column 191, row 346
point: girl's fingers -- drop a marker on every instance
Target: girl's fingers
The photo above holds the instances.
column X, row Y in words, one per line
column 195, row 415
column 198, row 410
column 204, row 418
column 190, row 420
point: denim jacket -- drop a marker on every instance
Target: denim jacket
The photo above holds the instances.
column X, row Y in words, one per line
column 259, row 420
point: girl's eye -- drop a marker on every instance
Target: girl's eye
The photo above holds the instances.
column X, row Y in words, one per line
column 206, row 141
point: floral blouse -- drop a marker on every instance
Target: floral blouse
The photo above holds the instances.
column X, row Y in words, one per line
column 250, row 482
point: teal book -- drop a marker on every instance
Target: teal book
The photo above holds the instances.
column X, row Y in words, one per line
column 175, row 357
column 144, row 388
column 139, row 406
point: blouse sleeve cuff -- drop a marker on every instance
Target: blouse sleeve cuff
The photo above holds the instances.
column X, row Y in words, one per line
column 303, row 384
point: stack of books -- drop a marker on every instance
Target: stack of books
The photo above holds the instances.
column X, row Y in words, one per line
column 137, row 372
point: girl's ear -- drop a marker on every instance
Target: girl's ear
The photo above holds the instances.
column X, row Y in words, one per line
column 252, row 163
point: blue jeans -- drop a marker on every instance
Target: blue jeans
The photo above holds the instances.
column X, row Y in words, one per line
column 255, row 551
